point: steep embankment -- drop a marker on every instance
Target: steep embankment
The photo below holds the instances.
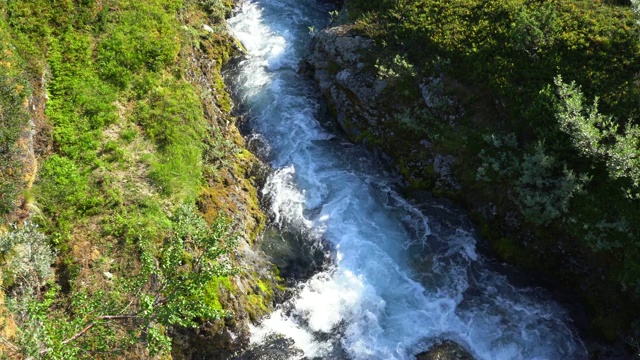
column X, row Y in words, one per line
column 128, row 201
column 462, row 100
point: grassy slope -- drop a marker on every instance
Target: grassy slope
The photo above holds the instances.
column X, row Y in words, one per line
column 133, row 134
column 14, row 91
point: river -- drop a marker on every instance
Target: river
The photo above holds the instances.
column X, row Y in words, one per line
column 399, row 275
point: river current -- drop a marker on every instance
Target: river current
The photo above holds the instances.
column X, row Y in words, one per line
column 400, row 276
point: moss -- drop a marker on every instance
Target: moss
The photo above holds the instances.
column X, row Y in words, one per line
column 258, row 216
column 268, row 289
column 256, row 306
column 245, row 156
column 225, row 282
column 223, row 100
column 263, row 287
column 212, row 292
column 366, row 137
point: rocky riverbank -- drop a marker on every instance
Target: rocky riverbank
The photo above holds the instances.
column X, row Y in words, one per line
column 371, row 107
column 232, row 192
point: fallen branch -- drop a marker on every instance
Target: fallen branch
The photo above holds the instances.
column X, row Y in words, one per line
column 9, row 344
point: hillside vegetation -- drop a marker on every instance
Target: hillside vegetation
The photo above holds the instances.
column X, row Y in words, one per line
column 539, row 102
column 124, row 237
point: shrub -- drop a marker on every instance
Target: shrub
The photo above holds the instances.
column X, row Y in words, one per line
column 167, row 291
column 543, row 185
column 26, row 259
column 598, row 137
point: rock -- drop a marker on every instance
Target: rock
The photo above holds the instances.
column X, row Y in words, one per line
column 362, row 103
column 446, row 350
column 274, row 347
column 442, row 166
column 338, row 63
column 211, row 341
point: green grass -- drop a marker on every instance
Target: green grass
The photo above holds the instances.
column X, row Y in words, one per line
column 112, row 63
column 14, row 91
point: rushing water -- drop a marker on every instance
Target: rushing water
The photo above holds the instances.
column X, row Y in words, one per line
column 401, row 276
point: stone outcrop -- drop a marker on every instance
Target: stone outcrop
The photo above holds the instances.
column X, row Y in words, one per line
column 339, row 68
column 365, row 107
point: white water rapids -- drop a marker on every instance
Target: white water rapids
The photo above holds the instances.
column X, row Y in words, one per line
column 400, row 280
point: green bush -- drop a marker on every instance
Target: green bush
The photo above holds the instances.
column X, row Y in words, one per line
column 144, row 38
column 599, row 137
column 62, row 182
column 542, row 185
column 545, row 187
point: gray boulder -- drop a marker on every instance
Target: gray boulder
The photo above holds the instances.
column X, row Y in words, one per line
column 338, row 63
